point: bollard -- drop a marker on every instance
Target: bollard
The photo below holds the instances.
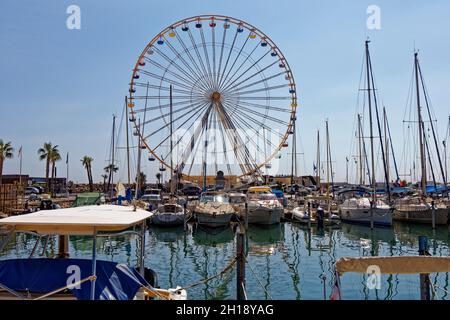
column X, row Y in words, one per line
column 371, row 215
column 310, row 215
column 424, row 278
column 246, row 216
column 433, row 215
column 185, row 216
column 320, row 216
column 240, row 272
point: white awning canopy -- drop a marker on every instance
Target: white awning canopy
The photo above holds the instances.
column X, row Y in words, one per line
column 79, row 220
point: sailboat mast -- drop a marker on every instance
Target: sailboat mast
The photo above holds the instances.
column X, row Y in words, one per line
column 421, row 136
column 360, row 149
column 318, row 160
column 171, row 143
column 386, row 142
column 128, row 142
column 294, row 154
column 373, row 183
column 328, row 159
column 111, row 169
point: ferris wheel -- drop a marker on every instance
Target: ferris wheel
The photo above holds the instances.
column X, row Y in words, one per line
column 212, row 93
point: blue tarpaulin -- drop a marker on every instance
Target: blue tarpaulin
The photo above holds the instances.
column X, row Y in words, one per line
column 114, row 281
column 437, row 189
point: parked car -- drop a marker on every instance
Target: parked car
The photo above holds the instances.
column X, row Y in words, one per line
column 31, row 190
column 41, row 189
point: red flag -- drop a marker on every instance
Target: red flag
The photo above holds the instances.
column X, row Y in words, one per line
column 336, row 291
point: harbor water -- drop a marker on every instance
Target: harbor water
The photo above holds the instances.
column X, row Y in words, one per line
column 285, row 261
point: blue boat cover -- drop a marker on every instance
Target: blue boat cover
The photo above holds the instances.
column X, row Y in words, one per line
column 278, row 193
column 114, row 281
column 437, row 189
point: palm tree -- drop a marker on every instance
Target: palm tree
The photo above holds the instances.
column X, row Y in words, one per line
column 104, row 176
column 6, row 152
column 47, row 153
column 55, row 156
column 158, row 177
column 110, row 169
column 87, row 161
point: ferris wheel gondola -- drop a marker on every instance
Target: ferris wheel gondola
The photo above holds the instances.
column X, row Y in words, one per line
column 228, row 82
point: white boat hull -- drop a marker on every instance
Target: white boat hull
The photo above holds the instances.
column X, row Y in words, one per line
column 422, row 216
column 264, row 215
column 381, row 216
column 213, row 220
column 168, row 219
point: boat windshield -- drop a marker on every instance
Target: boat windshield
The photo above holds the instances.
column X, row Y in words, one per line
column 214, row 198
column 262, row 196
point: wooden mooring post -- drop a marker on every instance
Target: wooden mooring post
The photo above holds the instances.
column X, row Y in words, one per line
column 240, row 255
column 424, row 278
column 433, row 215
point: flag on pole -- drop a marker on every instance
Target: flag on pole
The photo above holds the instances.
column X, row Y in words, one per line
column 20, row 152
column 67, row 158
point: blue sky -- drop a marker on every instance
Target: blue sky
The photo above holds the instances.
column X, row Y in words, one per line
column 63, row 85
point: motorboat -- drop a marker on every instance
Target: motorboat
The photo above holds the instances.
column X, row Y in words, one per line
column 169, row 215
column 263, row 206
column 214, row 209
column 360, row 210
column 415, row 209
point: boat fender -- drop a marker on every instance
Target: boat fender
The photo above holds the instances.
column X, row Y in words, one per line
column 151, row 277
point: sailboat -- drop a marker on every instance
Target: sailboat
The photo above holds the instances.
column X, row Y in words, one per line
column 307, row 214
column 417, row 209
column 367, row 210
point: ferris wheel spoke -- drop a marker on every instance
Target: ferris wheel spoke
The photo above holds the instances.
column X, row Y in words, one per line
column 159, row 97
column 253, row 65
column 199, row 58
column 263, row 89
column 240, row 108
column 199, row 72
column 224, row 35
column 224, row 147
column 234, row 138
column 205, row 51
column 162, row 106
column 176, row 65
column 229, row 56
column 256, row 121
column 265, row 98
column 264, row 106
column 173, row 74
column 237, row 88
column 248, row 156
column 181, row 138
column 191, row 145
column 165, row 126
column 198, row 113
column 160, row 87
column 225, row 78
column 162, row 78
column 232, row 86
column 163, row 116
column 213, row 37
column 243, row 119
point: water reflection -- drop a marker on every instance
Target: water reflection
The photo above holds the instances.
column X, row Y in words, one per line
column 285, row 261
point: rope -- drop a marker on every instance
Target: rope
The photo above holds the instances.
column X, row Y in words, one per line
column 227, row 268
column 90, row 278
column 260, row 283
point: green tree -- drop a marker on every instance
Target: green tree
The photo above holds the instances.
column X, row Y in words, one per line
column 50, row 154
column 87, row 163
column 110, row 169
column 6, row 152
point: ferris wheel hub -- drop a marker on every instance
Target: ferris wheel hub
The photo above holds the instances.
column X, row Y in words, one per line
column 215, row 96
